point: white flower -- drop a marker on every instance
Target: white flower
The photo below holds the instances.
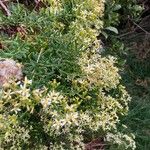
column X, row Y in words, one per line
column 45, row 102
column 51, row 97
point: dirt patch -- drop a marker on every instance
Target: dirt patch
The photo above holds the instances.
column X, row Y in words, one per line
column 30, row 4
column 13, row 30
column 95, row 144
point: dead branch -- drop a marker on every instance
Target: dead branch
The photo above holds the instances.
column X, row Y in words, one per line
column 4, row 8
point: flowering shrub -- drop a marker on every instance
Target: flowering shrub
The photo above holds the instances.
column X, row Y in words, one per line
column 48, row 117
column 75, row 94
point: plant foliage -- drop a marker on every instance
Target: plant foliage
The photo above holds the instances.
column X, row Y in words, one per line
column 75, row 95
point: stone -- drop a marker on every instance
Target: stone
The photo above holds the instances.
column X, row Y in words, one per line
column 9, row 69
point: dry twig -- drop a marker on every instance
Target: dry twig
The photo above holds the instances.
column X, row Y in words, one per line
column 4, row 8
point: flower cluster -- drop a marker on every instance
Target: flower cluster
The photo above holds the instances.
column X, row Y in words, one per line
column 62, row 116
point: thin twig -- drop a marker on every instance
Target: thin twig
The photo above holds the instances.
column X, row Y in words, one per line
column 125, row 34
column 139, row 26
column 4, row 8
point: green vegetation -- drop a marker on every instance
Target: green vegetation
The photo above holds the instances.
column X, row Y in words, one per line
column 137, row 81
column 75, row 90
column 134, row 64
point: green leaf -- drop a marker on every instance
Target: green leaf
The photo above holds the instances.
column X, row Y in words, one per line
column 105, row 34
column 117, row 7
column 113, row 29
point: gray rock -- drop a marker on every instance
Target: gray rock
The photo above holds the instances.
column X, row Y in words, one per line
column 9, row 69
